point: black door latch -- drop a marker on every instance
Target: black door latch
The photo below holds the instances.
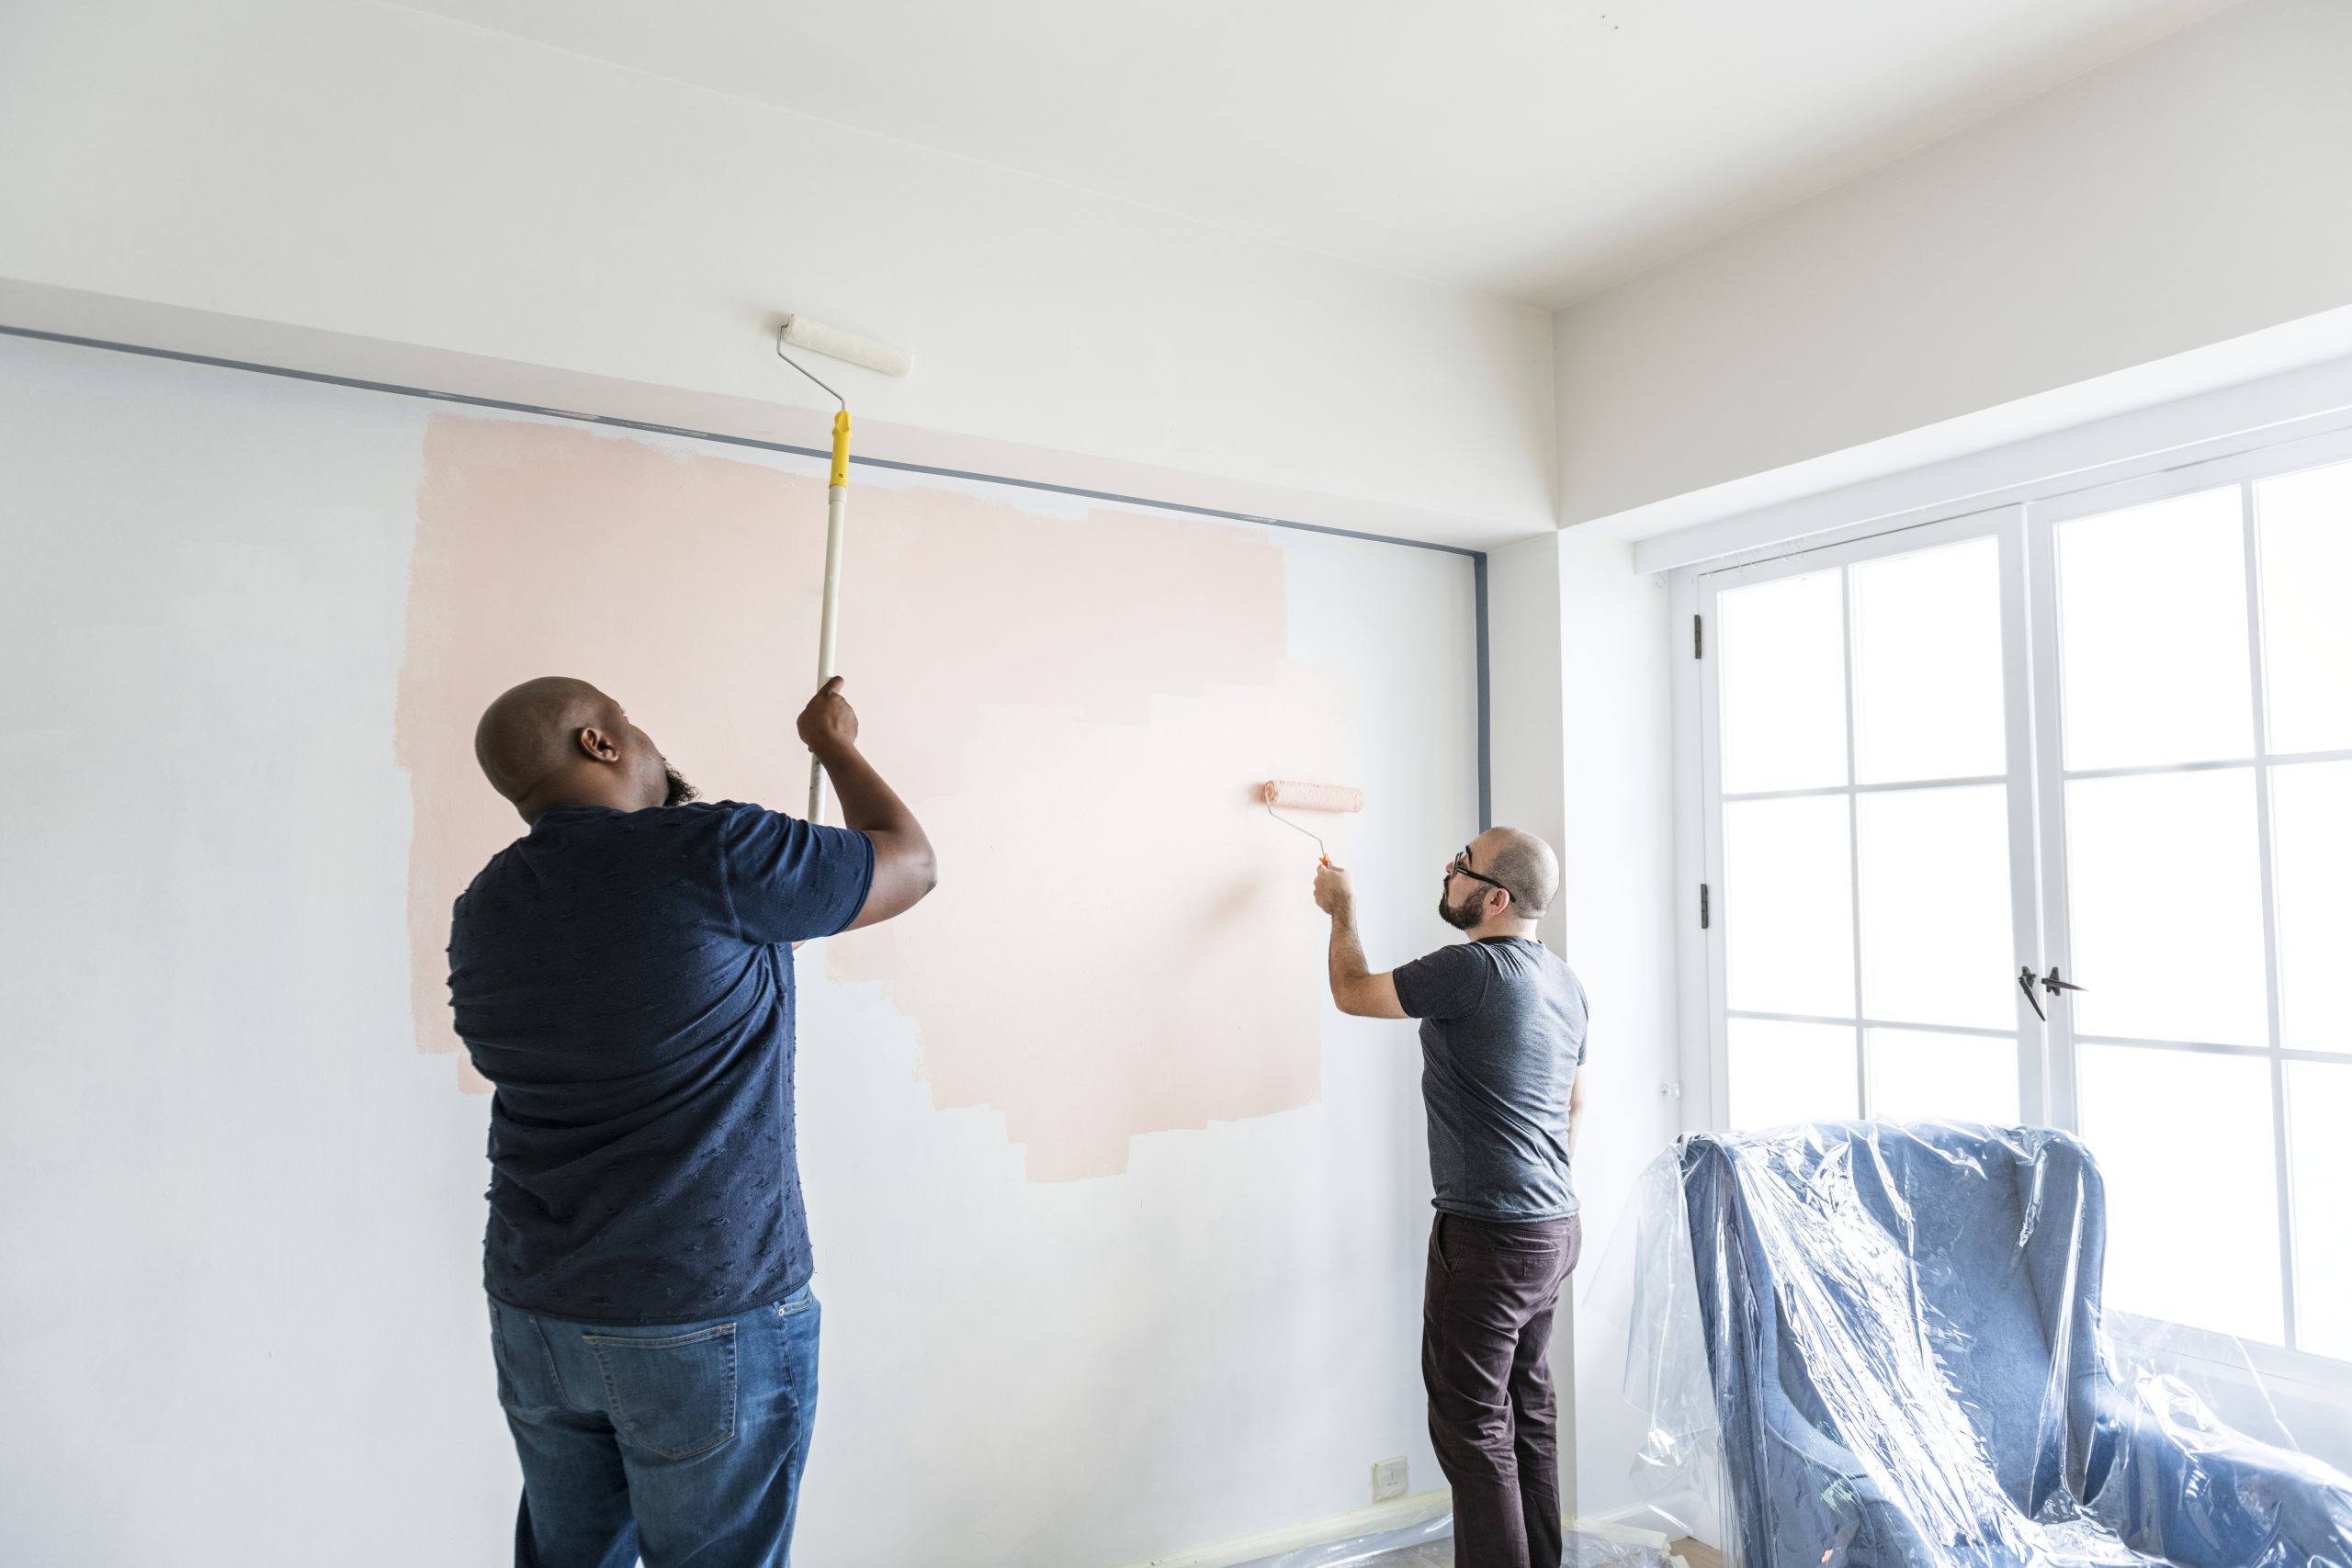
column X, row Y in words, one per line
column 2051, row 984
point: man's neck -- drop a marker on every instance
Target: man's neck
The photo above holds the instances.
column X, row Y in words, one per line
column 586, row 792
column 1488, row 929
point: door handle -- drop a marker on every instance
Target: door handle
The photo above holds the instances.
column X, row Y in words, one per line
column 2050, row 985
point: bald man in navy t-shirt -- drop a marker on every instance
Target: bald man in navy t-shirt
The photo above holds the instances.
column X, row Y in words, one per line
column 622, row 976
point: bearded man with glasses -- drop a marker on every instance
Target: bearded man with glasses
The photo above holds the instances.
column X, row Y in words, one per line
column 1502, row 1041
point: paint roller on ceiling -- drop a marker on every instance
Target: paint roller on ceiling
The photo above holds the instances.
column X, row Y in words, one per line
column 822, row 337
column 887, row 359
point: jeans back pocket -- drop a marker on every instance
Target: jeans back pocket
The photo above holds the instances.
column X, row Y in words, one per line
column 672, row 1394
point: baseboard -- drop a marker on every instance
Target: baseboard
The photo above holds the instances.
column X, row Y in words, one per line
column 1393, row 1515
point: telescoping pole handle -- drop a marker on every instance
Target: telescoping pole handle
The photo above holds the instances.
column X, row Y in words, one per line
column 836, row 513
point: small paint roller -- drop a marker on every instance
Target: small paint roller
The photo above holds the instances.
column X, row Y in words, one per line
column 834, row 342
column 1295, row 797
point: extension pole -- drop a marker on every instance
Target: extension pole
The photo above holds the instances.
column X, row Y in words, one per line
column 836, row 510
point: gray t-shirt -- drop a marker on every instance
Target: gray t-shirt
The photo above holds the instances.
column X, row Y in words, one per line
column 1502, row 1036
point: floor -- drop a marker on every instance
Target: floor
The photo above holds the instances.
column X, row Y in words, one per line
column 1440, row 1554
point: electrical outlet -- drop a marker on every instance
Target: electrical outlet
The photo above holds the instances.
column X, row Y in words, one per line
column 1388, row 1479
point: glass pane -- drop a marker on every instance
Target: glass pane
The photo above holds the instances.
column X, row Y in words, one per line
column 2310, row 837
column 2306, row 526
column 2319, row 1107
column 1788, row 906
column 1919, row 1075
column 2192, row 1231
column 1927, row 665
column 2152, row 630
column 1936, row 935
column 1790, row 1072
column 1782, row 684
column 2166, row 900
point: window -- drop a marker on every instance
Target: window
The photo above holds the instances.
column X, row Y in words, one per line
column 2099, row 741
column 1867, row 831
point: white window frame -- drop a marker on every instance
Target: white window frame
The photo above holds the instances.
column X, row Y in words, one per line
column 2219, row 461
column 2004, row 526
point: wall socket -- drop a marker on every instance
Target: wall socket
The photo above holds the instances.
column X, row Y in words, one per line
column 1388, row 1479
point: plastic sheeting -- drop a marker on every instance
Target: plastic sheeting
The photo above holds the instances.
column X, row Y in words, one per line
column 1866, row 1345
column 1429, row 1544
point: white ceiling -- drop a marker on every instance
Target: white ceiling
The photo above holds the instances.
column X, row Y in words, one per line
column 1530, row 149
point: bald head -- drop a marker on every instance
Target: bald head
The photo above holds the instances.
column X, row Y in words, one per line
column 533, row 731
column 1524, row 864
column 559, row 741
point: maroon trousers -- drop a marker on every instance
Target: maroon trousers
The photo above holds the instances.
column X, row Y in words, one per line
column 1485, row 1324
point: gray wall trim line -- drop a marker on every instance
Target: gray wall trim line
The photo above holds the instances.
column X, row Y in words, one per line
column 1486, row 701
column 397, row 389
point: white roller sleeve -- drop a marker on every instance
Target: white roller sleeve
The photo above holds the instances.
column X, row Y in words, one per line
column 1311, row 796
column 805, row 332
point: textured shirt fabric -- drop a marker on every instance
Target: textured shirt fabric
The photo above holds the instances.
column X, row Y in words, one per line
column 1502, row 1036
column 624, row 980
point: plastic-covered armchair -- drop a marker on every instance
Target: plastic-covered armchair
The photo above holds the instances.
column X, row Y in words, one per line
column 1902, row 1331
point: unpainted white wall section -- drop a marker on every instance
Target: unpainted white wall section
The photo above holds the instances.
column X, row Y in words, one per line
column 1616, row 647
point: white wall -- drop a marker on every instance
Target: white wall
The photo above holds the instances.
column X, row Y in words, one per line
column 1580, row 655
column 242, row 1320
column 358, row 188
column 2185, row 195
column 1524, row 677
column 1529, row 757
column 1615, row 652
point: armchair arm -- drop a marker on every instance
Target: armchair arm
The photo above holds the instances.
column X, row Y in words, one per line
column 2175, row 1483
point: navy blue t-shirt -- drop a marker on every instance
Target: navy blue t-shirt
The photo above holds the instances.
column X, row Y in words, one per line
column 624, row 980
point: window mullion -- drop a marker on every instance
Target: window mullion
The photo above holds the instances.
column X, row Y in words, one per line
column 2256, row 666
column 1853, row 840
column 2061, row 1077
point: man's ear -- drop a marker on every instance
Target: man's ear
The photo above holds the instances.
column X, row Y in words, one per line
column 599, row 746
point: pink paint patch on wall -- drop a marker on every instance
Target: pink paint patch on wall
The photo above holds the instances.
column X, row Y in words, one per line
column 1077, row 708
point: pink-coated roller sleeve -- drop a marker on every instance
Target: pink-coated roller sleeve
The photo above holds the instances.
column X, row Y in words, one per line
column 1313, row 796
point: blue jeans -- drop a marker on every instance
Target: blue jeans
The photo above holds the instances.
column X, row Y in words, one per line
column 684, row 1443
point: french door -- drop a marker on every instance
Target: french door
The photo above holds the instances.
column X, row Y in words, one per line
column 1872, row 859
column 2044, row 814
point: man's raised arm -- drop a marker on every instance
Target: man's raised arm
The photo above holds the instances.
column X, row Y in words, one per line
column 904, row 866
column 1354, row 988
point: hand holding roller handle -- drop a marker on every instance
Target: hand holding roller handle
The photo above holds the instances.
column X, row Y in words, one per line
column 828, row 720
column 1335, row 895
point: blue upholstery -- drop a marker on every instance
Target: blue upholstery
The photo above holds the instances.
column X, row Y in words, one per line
column 1902, row 1335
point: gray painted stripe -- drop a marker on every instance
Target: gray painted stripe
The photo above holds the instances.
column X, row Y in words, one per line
column 398, row 390
column 1478, row 558
column 1485, row 702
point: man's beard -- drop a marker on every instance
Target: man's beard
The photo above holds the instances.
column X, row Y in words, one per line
column 679, row 790
column 1465, row 916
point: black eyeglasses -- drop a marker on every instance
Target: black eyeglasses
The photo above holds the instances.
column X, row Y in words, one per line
column 1461, row 863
